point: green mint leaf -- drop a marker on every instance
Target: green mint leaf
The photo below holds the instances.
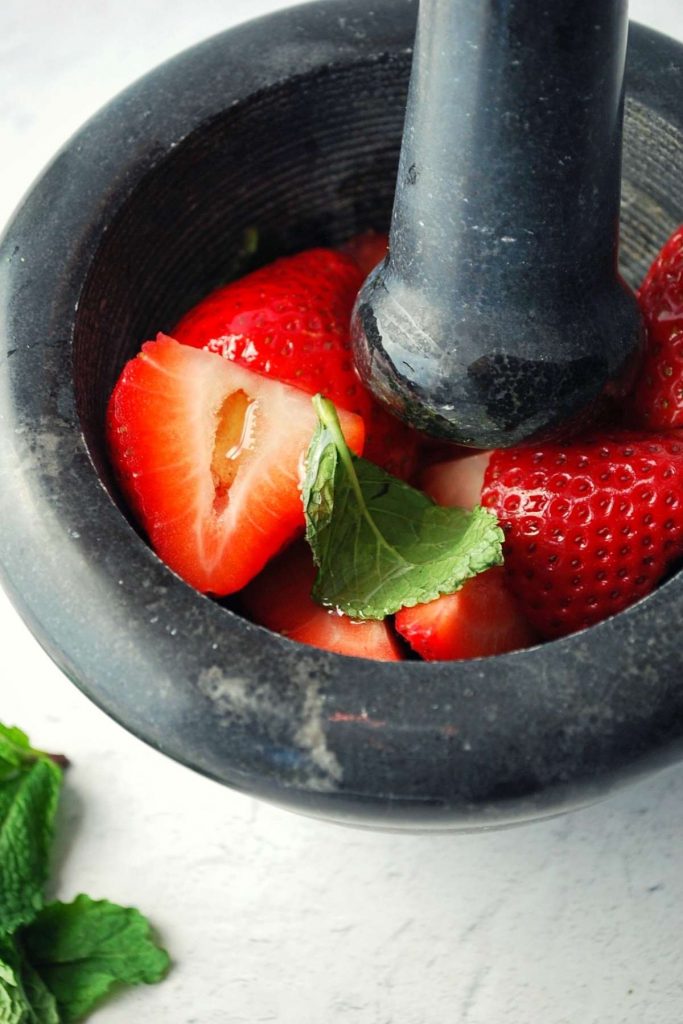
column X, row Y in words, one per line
column 379, row 544
column 17, row 754
column 28, row 804
column 24, row 998
column 81, row 949
column 43, row 1003
column 15, row 751
column 14, row 1006
column 14, row 737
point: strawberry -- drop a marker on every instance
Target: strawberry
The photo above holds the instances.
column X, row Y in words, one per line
column 208, row 455
column 657, row 400
column 368, row 249
column 457, row 482
column 280, row 599
column 481, row 619
column 591, row 525
column 391, row 444
column 290, row 321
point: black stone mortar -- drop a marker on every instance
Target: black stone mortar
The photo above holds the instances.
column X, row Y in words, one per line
column 275, row 136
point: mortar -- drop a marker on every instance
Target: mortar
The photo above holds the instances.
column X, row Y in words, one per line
column 278, row 135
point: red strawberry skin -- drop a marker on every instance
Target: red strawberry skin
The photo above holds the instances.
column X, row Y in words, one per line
column 208, row 455
column 590, row 526
column 290, row 321
column 481, row 619
column 280, row 599
column 657, row 401
column 391, row 444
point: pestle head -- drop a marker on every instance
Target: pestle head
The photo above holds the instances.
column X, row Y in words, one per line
column 499, row 315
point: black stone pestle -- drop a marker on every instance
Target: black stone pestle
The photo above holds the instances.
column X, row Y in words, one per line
column 499, row 315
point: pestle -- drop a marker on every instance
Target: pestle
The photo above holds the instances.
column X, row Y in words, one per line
column 499, row 315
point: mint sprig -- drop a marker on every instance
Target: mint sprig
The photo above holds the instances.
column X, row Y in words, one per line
column 379, row 544
column 17, row 754
column 81, row 949
column 56, row 961
column 29, row 792
column 24, row 996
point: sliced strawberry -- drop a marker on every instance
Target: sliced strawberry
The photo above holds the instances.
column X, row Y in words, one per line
column 367, row 249
column 657, row 400
column 481, row 619
column 280, row 599
column 590, row 526
column 290, row 320
column 208, row 455
column 458, row 482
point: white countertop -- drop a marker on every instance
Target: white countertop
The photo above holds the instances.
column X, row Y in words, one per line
column 271, row 917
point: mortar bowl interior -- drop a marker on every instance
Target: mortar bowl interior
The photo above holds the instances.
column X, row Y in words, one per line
column 273, row 137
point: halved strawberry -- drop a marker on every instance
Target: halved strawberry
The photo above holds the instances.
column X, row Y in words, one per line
column 208, row 455
column 290, row 321
column 457, row 482
column 479, row 620
column 482, row 618
column 280, row 599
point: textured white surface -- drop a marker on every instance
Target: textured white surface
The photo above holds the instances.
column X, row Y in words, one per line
column 270, row 917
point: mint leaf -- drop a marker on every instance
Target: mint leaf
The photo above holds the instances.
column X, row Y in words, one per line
column 81, row 949
column 24, row 998
column 28, row 804
column 14, row 1006
column 16, row 752
column 13, row 737
column 43, row 1003
column 379, row 544
column 57, row 961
